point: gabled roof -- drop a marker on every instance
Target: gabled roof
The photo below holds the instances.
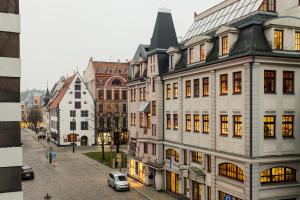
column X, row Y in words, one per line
column 141, row 52
column 164, row 34
column 54, row 104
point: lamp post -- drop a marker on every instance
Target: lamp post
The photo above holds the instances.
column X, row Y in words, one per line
column 73, row 135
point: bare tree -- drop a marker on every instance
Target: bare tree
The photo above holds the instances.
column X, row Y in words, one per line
column 35, row 117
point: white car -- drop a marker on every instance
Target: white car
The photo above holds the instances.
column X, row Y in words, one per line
column 118, row 181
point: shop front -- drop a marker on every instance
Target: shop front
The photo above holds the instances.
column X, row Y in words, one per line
column 137, row 170
column 172, row 182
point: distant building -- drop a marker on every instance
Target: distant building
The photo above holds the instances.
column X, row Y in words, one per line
column 107, row 83
column 71, row 106
column 10, row 109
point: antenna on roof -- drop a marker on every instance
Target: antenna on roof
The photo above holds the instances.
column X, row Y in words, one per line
column 164, row 10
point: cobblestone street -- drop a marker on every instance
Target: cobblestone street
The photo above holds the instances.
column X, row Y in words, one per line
column 72, row 179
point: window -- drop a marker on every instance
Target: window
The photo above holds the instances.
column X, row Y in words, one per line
column 297, row 39
column 223, row 194
column 191, row 55
column 131, row 95
column 197, row 157
column 175, row 90
column 205, row 86
column 153, row 105
column 197, row 190
column 77, row 105
column 168, row 121
column 287, row 126
column 124, row 108
column 77, row 87
column 131, row 119
column 72, row 125
column 269, row 81
column 72, row 113
column 84, row 125
column 168, row 91
column 84, row 113
column 278, row 39
column 116, row 94
column 184, row 157
column 196, row 88
column 237, row 125
column 145, row 147
column 141, row 94
column 202, row 53
column 288, row 82
column 144, row 93
column 108, row 94
column 134, row 95
column 172, row 182
column 224, row 125
column 268, row 6
column 175, row 121
column 237, row 82
column 208, row 193
column 100, row 84
column 116, row 82
column 185, row 186
column 124, row 95
column 141, row 120
column 208, row 163
column 153, row 85
column 196, row 123
column 100, row 94
column 154, row 149
column 205, row 123
column 224, row 84
column 269, row 126
column 77, row 95
column 134, row 119
column 188, row 122
column 188, row 89
column 277, row 175
column 225, row 49
column 172, row 153
column 101, row 108
column 231, row 171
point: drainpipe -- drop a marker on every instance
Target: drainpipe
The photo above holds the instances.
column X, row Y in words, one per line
column 163, row 117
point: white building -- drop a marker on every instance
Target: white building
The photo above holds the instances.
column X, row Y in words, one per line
column 72, row 107
column 10, row 107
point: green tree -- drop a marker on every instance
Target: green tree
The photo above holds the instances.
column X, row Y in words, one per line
column 34, row 118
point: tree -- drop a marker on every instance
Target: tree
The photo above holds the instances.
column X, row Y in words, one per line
column 35, row 117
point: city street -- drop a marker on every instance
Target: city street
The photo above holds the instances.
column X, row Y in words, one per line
column 72, row 179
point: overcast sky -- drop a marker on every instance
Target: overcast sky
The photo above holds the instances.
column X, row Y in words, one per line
column 59, row 36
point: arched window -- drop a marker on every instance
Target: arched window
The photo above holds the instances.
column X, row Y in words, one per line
column 278, row 174
column 231, row 171
column 173, row 153
column 116, row 82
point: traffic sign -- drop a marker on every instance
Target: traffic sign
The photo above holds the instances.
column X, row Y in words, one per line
column 228, row 197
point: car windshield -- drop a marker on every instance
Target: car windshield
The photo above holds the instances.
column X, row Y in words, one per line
column 122, row 178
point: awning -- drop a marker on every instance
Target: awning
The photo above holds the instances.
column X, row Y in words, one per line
column 144, row 107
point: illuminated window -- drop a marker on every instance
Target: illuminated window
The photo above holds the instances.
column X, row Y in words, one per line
column 224, row 124
column 168, row 91
column 197, row 157
column 196, row 88
column 172, row 182
column 191, row 55
column 288, row 82
column 205, row 86
column 269, row 81
column 172, row 153
column 231, row 171
column 224, row 84
column 287, row 126
column 175, row 90
column 148, row 120
column 237, row 125
column 196, row 123
column 278, row 174
column 175, row 121
column 297, row 41
column 202, row 53
column 205, row 123
column 153, row 108
column 168, row 121
column 225, row 49
column 269, row 126
column 278, row 39
column 188, row 125
column 237, row 82
column 188, row 89
column 268, row 6
column 197, row 190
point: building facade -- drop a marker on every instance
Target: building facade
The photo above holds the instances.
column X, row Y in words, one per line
column 107, row 82
column 230, row 104
column 71, row 113
column 145, row 104
column 10, row 107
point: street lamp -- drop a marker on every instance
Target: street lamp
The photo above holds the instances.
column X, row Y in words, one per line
column 73, row 135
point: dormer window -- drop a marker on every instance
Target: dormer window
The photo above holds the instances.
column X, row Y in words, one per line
column 202, row 53
column 225, row 49
column 297, row 40
column 268, row 6
column 191, row 55
column 278, row 39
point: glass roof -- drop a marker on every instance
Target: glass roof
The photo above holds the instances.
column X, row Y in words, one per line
column 223, row 16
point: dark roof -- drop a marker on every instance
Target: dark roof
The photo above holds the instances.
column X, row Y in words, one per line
column 141, row 52
column 164, row 34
